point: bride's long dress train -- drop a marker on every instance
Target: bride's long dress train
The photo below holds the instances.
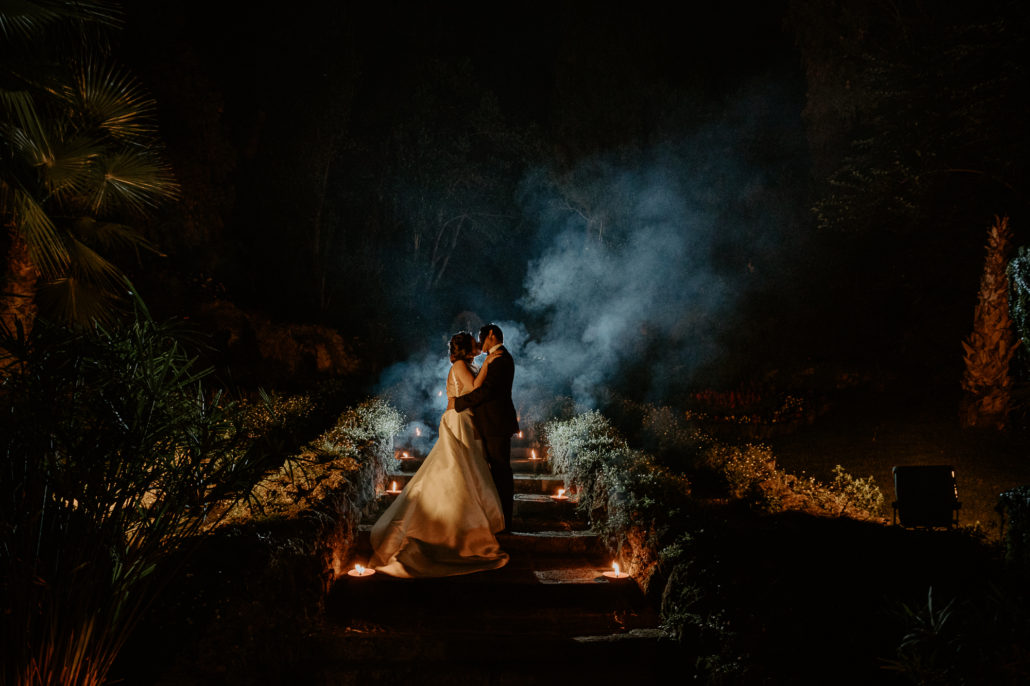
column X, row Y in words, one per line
column 444, row 521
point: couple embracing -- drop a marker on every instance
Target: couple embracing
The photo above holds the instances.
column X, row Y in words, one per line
column 446, row 519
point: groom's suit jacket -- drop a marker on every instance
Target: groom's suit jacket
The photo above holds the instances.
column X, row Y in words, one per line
column 494, row 412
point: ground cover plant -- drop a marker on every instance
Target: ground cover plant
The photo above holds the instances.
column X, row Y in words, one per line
column 248, row 602
column 114, row 455
column 122, row 470
column 763, row 575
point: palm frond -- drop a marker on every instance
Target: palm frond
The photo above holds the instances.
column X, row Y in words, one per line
column 20, row 108
column 113, row 100
column 110, row 234
column 25, row 19
column 133, row 179
column 20, row 19
column 87, row 291
column 90, row 267
column 48, row 251
column 33, row 150
column 70, row 171
column 75, row 301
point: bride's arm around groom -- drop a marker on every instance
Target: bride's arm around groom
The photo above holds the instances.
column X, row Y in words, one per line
column 494, row 413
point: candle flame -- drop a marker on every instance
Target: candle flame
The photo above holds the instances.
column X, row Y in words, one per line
column 561, row 492
column 360, row 569
column 534, row 454
column 418, row 431
column 520, row 434
column 393, row 486
column 439, row 394
column 405, row 455
column 615, row 566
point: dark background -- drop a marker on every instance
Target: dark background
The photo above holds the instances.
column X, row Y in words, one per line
column 325, row 151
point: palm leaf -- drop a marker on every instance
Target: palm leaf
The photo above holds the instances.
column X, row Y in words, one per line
column 87, row 266
column 110, row 234
column 113, row 100
column 48, row 251
column 87, row 291
column 25, row 20
column 70, row 169
column 20, row 107
column 133, row 179
column 73, row 300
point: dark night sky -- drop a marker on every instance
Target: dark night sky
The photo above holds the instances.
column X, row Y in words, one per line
column 609, row 90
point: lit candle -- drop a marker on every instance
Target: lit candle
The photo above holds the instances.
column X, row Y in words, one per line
column 393, row 489
column 532, row 455
column 616, row 573
column 405, row 456
column 520, row 434
column 361, row 570
column 561, row 495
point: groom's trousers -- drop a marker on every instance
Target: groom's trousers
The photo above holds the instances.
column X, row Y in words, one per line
column 498, row 456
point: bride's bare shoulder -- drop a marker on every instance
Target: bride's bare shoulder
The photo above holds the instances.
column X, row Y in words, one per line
column 461, row 368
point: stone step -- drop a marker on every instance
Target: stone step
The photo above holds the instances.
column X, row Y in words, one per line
column 520, row 464
column 526, row 452
column 560, row 595
column 553, row 541
column 530, row 512
column 542, row 484
column 473, row 659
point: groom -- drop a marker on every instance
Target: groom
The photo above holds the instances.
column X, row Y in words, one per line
column 495, row 417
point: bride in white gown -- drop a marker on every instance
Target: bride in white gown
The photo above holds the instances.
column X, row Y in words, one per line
column 445, row 520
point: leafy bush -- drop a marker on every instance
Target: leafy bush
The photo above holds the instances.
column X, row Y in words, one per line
column 280, row 550
column 629, row 498
column 113, row 455
column 1015, row 505
column 693, row 606
column 977, row 639
column 751, row 474
column 351, row 455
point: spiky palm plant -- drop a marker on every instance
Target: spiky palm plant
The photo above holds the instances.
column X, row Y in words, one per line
column 987, row 381
column 80, row 161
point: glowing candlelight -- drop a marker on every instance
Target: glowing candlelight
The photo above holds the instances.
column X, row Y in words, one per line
column 393, row 489
column 520, row 434
column 532, row 455
column 561, row 495
column 405, row 455
column 616, row 573
column 418, row 431
column 361, row 570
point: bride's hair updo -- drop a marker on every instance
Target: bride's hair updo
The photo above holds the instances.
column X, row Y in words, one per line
column 462, row 346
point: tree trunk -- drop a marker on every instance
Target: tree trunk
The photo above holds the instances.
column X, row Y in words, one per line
column 18, row 301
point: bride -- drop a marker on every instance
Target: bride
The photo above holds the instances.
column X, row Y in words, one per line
column 444, row 521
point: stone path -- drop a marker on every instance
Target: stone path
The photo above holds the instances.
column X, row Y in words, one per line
column 549, row 616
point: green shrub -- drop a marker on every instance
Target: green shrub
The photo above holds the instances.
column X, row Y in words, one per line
column 1015, row 506
column 693, row 606
column 112, row 455
column 629, row 498
column 351, row 455
column 979, row 637
column 751, row 474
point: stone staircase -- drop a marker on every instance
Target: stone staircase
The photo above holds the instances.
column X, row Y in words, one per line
column 549, row 616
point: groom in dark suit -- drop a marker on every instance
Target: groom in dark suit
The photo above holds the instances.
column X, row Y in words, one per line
column 495, row 417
